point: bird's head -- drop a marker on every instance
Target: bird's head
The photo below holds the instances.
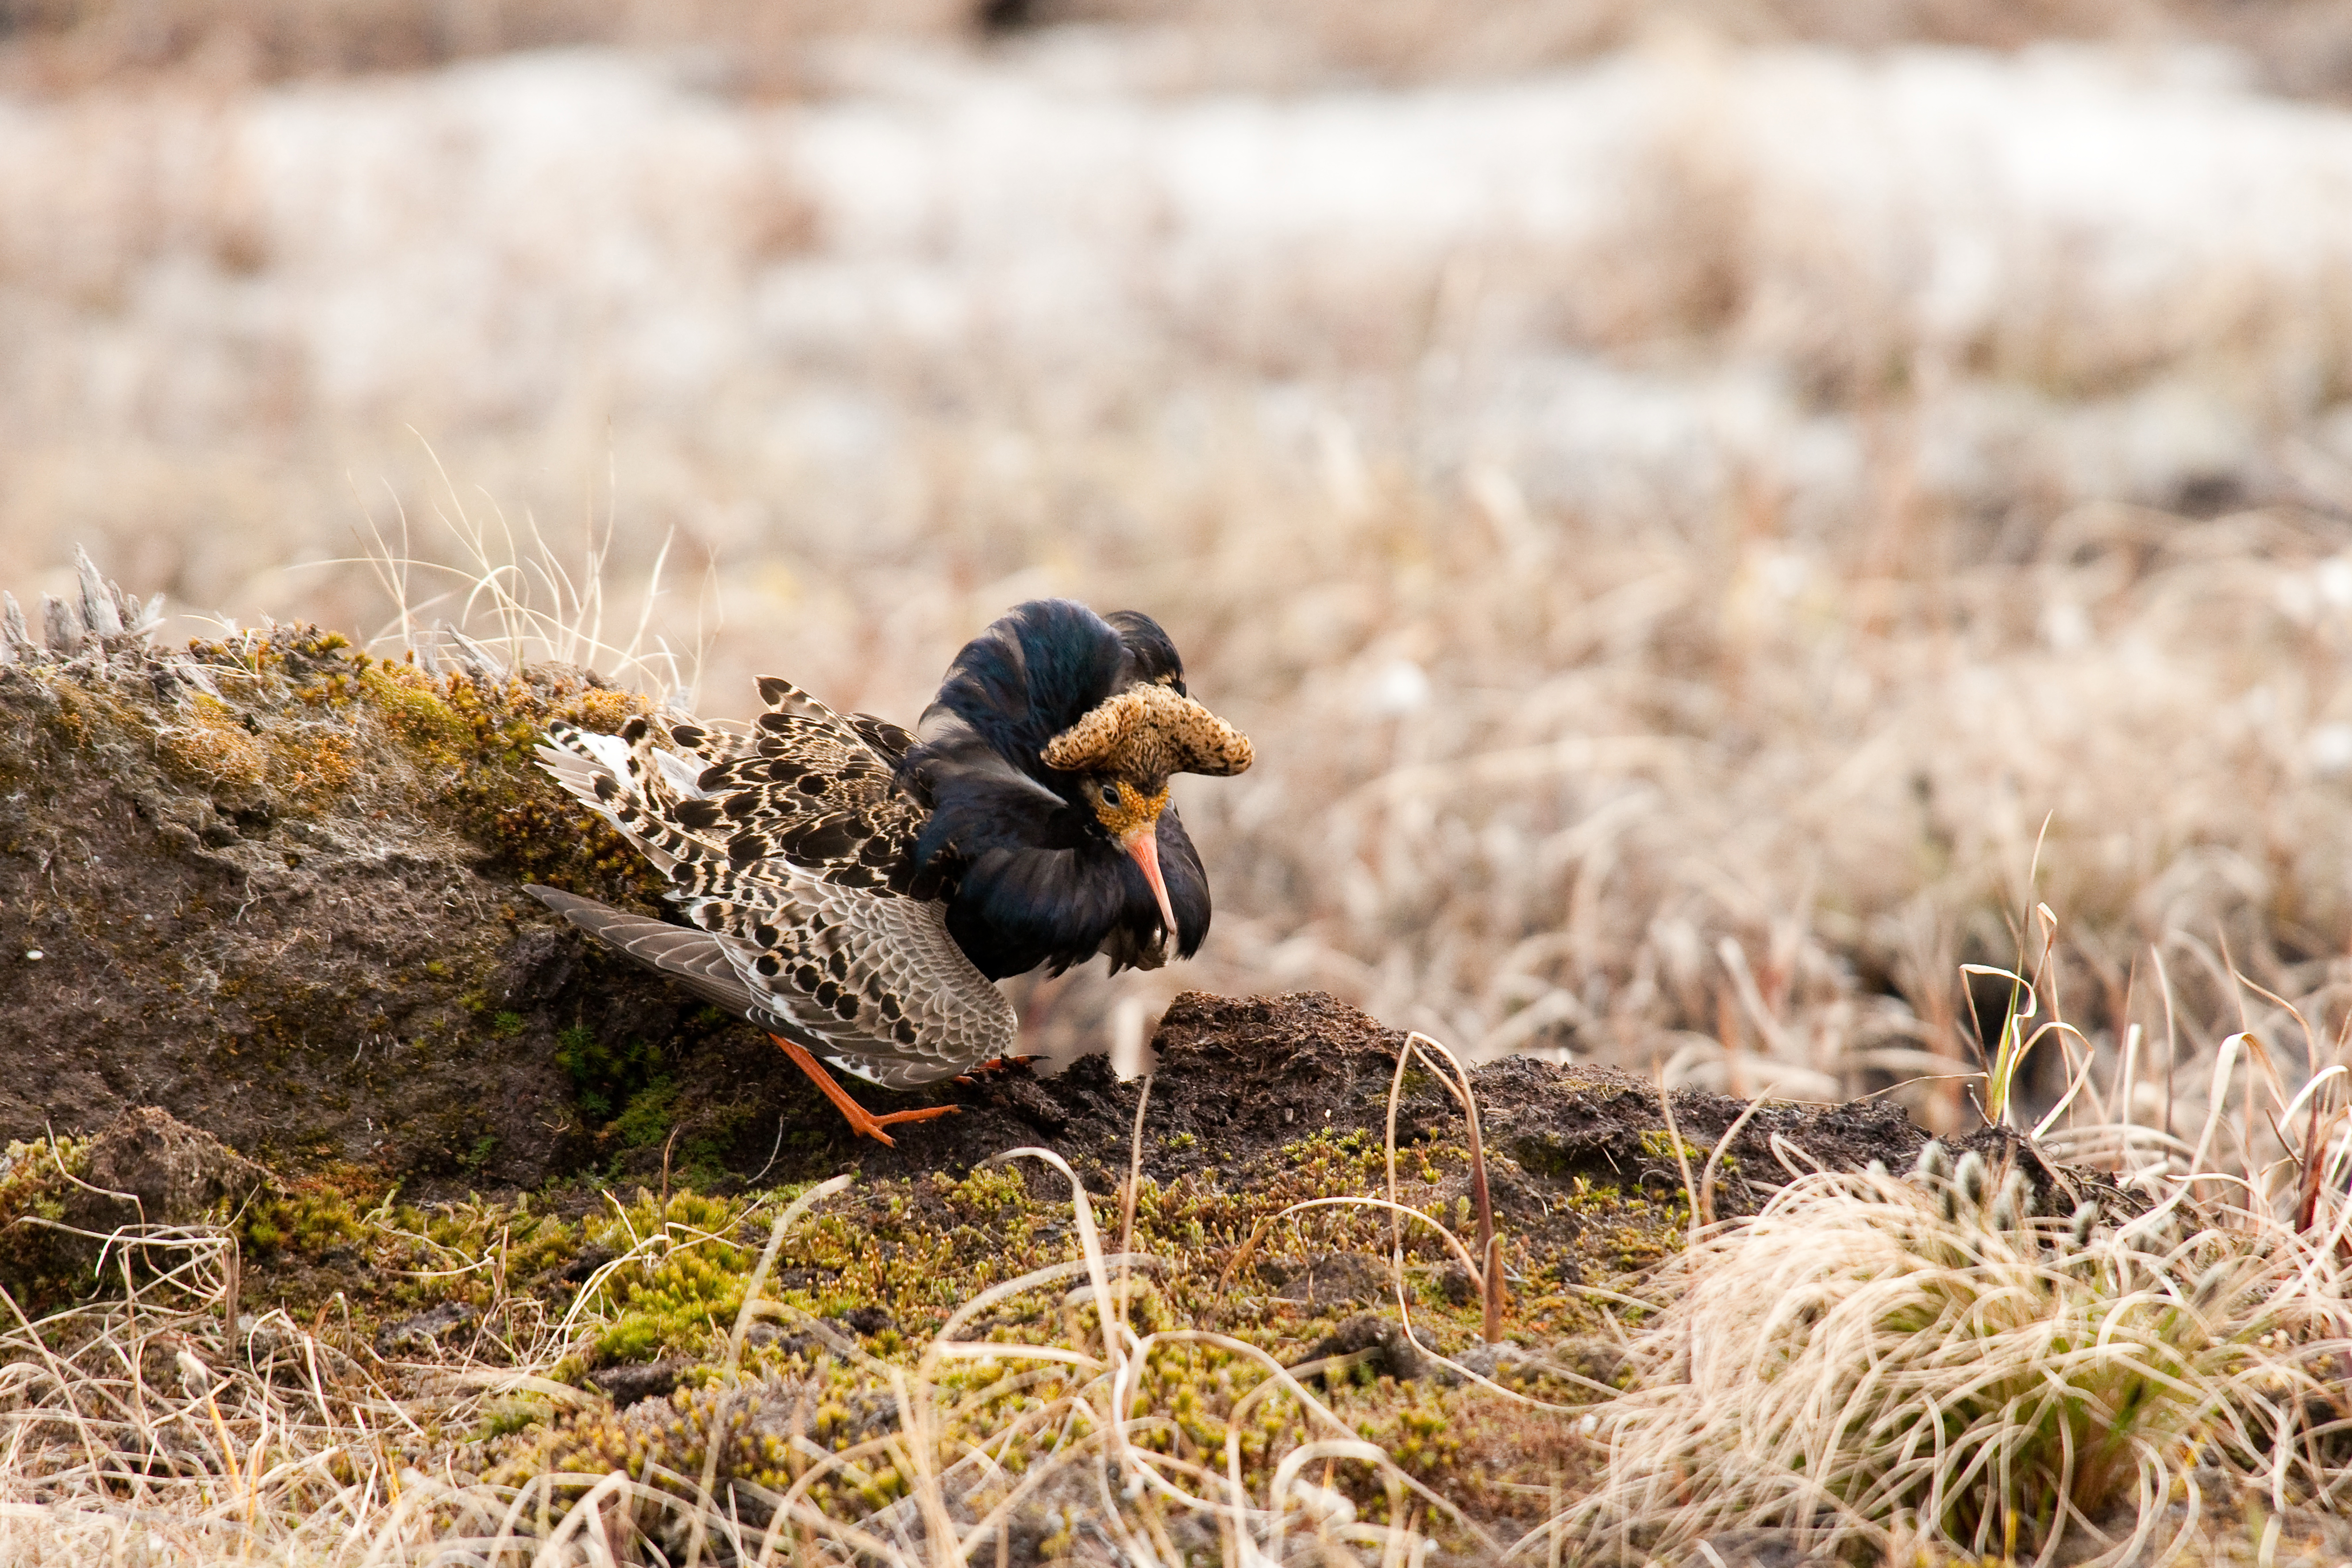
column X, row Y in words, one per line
column 1054, row 722
column 1123, row 751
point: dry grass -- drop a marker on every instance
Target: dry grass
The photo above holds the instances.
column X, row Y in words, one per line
column 165, row 1427
column 1993, row 1360
column 140, row 1432
column 1876, row 1363
column 1701, row 763
column 1416, row 40
column 537, row 602
column 66, row 45
column 1698, row 758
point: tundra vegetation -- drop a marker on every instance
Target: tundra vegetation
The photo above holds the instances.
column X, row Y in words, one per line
column 1325, row 1295
column 1819, row 641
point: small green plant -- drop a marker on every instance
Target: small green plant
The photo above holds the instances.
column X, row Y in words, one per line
column 606, row 1076
column 646, row 1120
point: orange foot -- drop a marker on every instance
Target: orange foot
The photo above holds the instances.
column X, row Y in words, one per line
column 862, row 1122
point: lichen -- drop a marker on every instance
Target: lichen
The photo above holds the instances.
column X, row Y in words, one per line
column 306, row 717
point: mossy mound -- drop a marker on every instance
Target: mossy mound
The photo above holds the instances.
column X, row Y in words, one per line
column 632, row 1299
column 629, row 1297
column 864, row 1285
column 270, row 885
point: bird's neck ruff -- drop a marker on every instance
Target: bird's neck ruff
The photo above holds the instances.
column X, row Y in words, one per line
column 1149, row 732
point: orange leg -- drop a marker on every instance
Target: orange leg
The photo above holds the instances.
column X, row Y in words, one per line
column 862, row 1122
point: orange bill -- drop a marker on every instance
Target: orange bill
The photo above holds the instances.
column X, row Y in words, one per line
column 1144, row 844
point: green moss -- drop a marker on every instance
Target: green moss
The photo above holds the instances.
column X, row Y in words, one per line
column 411, row 708
column 41, row 1268
column 885, row 1263
column 913, row 1251
column 680, row 1299
column 646, row 1120
column 605, row 1075
column 313, row 1214
column 506, row 1417
column 1660, row 1144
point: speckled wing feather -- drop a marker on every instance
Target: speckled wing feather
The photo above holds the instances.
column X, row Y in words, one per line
column 790, row 850
column 697, row 960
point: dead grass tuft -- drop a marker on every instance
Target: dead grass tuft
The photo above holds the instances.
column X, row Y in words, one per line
column 1872, row 1361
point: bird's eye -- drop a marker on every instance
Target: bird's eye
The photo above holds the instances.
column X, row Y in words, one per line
column 1110, row 794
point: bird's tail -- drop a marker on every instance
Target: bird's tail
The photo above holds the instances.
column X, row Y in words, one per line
column 638, row 784
column 697, row 960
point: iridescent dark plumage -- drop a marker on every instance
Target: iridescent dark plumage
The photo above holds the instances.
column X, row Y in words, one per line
column 853, row 887
column 1040, row 881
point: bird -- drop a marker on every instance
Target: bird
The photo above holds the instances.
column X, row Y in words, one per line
column 856, row 889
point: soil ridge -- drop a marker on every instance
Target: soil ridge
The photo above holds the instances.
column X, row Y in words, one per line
column 273, row 886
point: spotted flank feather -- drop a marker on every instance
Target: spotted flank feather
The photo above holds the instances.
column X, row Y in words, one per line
column 790, row 850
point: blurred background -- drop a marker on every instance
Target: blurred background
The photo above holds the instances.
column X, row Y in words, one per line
column 1710, row 513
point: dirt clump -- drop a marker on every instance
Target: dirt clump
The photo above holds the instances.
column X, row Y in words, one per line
column 150, row 1168
column 1239, row 1079
column 1331, row 1279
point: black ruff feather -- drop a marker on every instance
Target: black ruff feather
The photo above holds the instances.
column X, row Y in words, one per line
column 1041, row 884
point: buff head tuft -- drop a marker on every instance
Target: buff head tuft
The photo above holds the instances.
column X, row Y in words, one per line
column 1149, row 732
